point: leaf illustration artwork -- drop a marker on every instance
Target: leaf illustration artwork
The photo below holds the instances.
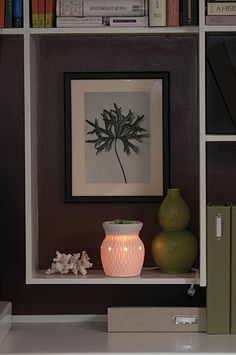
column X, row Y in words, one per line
column 117, row 127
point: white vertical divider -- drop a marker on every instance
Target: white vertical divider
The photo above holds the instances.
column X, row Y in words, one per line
column 28, row 177
column 202, row 142
column 26, row 13
column 31, row 193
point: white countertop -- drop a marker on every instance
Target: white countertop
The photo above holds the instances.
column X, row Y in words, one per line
column 93, row 338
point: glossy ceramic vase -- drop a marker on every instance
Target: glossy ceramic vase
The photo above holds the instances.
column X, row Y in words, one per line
column 174, row 249
column 122, row 251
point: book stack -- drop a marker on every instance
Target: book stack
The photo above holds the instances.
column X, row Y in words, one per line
column 221, row 269
column 11, row 13
column 221, row 12
column 42, row 13
column 126, row 13
column 113, row 13
column 99, row 13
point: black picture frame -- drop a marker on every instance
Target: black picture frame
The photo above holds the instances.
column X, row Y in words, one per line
column 138, row 104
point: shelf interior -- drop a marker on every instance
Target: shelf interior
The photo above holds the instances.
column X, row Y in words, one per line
column 71, row 228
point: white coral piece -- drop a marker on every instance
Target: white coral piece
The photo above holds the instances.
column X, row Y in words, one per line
column 65, row 263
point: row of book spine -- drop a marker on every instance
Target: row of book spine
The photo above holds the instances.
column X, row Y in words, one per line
column 11, row 13
column 43, row 13
column 126, row 13
column 221, row 12
column 221, row 269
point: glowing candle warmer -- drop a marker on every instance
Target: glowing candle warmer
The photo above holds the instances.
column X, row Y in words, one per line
column 122, row 251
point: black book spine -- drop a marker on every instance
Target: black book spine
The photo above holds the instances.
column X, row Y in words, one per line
column 189, row 12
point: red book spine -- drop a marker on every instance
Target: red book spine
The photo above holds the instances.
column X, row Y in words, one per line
column 35, row 13
column 173, row 13
column 50, row 11
column 41, row 13
column 2, row 11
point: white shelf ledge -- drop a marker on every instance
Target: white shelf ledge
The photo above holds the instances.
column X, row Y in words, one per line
column 148, row 276
column 93, row 338
column 12, row 31
column 219, row 28
column 220, row 138
column 107, row 30
column 102, row 30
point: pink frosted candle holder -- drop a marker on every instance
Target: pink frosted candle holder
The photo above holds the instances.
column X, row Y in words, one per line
column 122, row 251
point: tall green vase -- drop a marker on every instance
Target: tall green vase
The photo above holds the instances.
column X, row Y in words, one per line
column 174, row 249
column 173, row 214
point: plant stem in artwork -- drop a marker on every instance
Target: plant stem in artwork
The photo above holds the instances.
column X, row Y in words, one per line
column 121, row 166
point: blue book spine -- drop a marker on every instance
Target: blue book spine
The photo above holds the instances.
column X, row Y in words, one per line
column 17, row 13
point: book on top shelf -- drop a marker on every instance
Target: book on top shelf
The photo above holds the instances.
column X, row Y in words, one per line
column 220, row 20
column 189, row 12
column 157, row 13
column 50, row 13
column 79, row 8
column 226, row 9
column 8, row 13
column 221, row 1
column 17, row 13
column 41, row 13
column 172, row 12
column 2, row 11
column 101, row 21
column 34, row 14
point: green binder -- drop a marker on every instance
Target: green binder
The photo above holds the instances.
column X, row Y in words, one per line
column 218, row 269
column 233, row 269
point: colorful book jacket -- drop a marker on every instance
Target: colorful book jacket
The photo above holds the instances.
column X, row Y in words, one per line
column 17, row 13
column 41, row 13
column 34, row 13
column 50, row 13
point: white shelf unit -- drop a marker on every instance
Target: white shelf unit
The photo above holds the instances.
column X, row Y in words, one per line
column 35, row 276
column 203, row 137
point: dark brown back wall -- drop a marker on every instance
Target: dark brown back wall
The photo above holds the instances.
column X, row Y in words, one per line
column 85, row 53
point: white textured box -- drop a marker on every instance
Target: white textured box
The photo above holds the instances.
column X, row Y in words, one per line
column 5, row 319
column 156, row 319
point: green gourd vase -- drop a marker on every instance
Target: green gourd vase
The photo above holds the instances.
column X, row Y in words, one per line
column 174, row 249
